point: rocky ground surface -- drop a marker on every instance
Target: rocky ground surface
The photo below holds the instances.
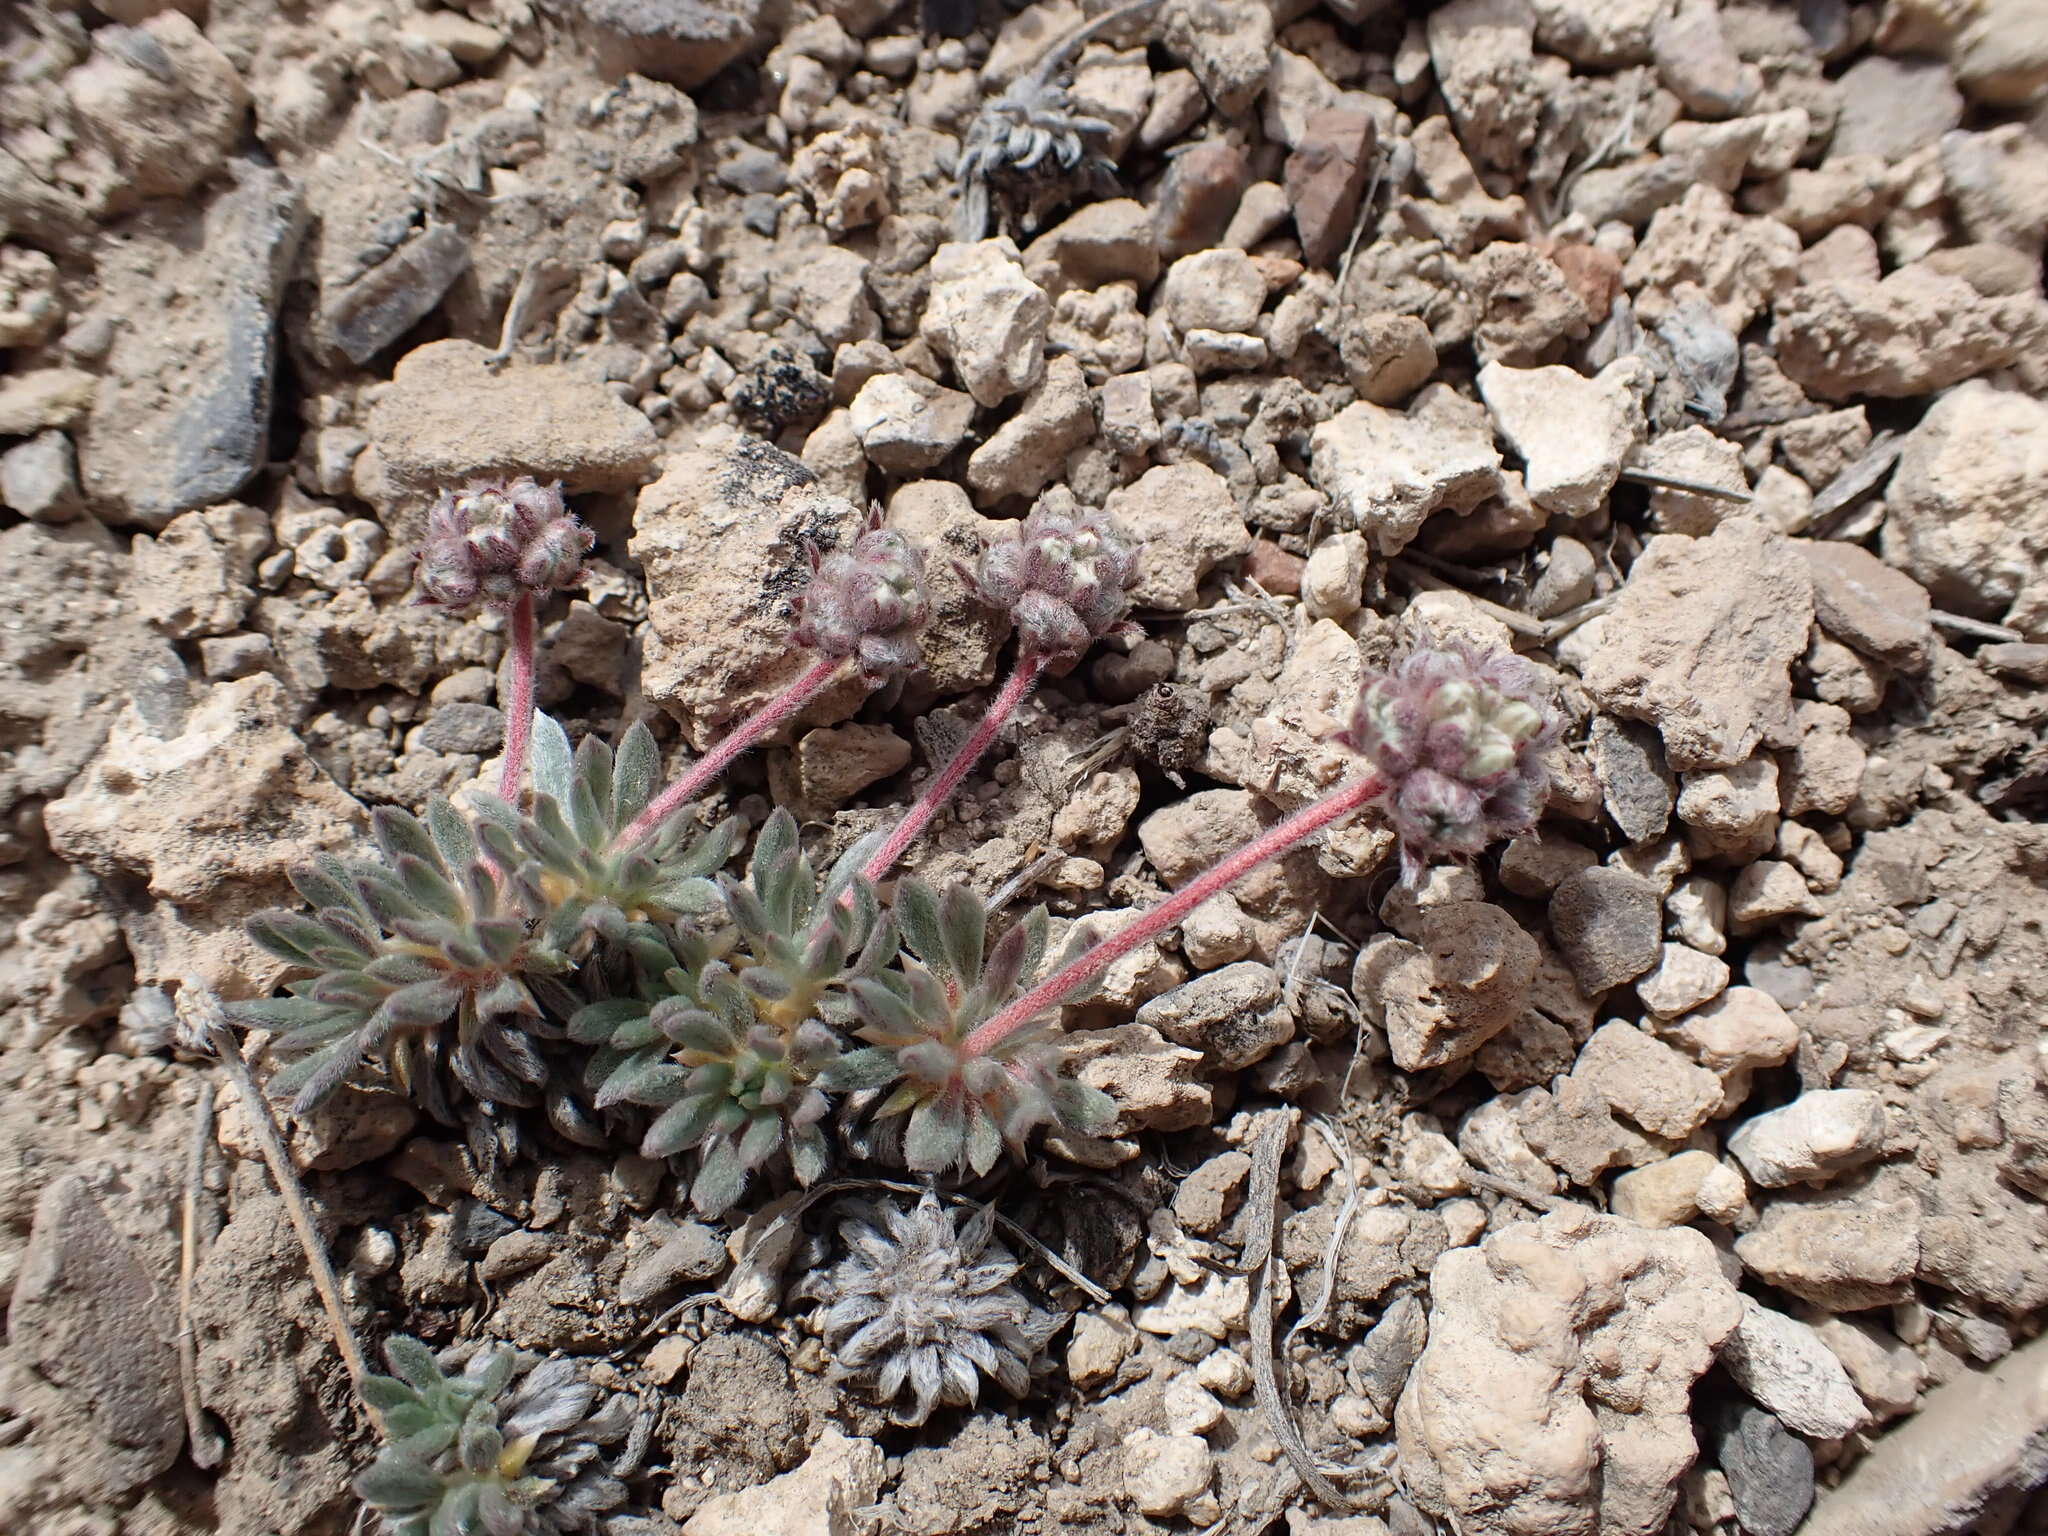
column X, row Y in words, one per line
column 1681, row 1167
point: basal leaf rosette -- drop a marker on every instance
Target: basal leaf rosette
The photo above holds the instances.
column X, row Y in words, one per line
column 963, row 1107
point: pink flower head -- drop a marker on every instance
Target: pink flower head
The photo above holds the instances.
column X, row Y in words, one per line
column 1458, row 735
column 866, row 601
column 1065, row 577
column 494, row 541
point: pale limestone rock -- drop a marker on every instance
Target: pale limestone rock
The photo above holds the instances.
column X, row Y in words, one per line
column 720, row 535
column 1818, row 1135
column 205, row 824
column 1648, row 1081
column 1573, row 433
column 1842, row 1255
column 840, row 1477
column 1465, row 978
column 1912, row 333
column 1743, row 264
column 1684, row 978
column 1333, row 580
column 906, row 423
column 1554, row 1394
column 1783, row 1364
column 1189, row 524
column 957, row 650
column 1216, row 290
column 1701, row 642
column 1663, row 1194
column 1732, row 812
column 988, row 318
column 449, row 417
column 1386, row 471
column 1031, row 448
column 1164, row 1473
column 1966, row 514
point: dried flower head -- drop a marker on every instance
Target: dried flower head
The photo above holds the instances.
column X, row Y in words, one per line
column 921, row 1308
column 492, row 1442
column 1064, row 577
column 866, row 601
column 1458, row 735
column 1033, row 145
column 494, row 541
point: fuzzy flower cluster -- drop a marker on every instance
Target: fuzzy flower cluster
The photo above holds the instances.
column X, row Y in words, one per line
column 867, row 601
column 1458, row 736
column 1065, row 577
column 495, row 541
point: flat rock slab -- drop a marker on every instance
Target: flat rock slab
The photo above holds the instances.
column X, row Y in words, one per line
column 85, row 1320
column 1701, row 642
column 181, row 417
column 450, row 417
column 1976, row 1439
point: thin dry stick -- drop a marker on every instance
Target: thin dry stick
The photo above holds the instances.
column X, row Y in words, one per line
column 206, row 1446
column 1977, row 628
column 1661, row 482
column 1263, row 1204
column 1313, row 1317
column 325, row 1281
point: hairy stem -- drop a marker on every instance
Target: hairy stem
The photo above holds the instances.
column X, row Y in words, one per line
column 325, row 1281
column 714, row 762
column 1269, row 844
column 519, row 712
column 1016, row 687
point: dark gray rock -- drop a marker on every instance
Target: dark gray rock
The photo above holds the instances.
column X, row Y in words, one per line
column 369, row 313
column 477, row 1226
column 749, row 168
column 182, row 415
column 1634, row 782
column 1606, row 922
column 1769, row 1471
column 463, row 728
column 97, row 1375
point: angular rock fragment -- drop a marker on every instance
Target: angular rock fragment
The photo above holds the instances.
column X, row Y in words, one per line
column 1555, row 1390
column 181, row 418
column 722, row 537
column 450, row 417
column 99, row 1375
column 1386, row 471
column 1701, row 642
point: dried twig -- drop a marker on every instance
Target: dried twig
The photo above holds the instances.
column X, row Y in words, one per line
column 1832, row 500
column 1976, row 628
column 1651, row 478
column 1520, row 623
column 1314, row 1315
column 206, row 1446
column 1261, row 1212
column 1479, row 1179
column 206, row 1024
